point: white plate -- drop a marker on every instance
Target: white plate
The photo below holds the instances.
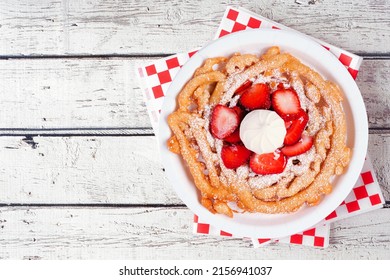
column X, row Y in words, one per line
column 310, row 53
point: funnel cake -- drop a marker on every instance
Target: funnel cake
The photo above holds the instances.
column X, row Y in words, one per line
column 207, row 133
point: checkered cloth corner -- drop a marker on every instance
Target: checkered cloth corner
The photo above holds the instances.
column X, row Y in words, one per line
column 365, row 196
column 314, row 237
column 159, row 75
column 201, row 227
column 261, row 242
column 238, row 19
column 156, row 78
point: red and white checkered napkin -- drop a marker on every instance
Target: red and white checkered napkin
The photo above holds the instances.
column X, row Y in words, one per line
column 156, row 78
column 317, row 236
column 365, row 196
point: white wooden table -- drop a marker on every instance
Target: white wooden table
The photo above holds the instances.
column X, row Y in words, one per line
column 79, row 175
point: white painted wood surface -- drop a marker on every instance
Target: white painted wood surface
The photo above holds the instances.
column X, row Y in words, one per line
column 99, row 93
column 58, row 27
column 98, row 170
column 165, row 233
column 93, row 186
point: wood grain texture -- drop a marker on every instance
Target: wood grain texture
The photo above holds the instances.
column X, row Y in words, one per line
column 70, row 27
column 122, row 170
column 105, row 93
column 378, row 149
column 85, row 93
column 160, row 233
column 83, row 170
column 93, row 187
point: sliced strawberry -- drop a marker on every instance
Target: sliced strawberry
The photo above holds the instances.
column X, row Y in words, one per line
column 234, row 155
column 258, row 96
column 234, row 137
column 296, row 128
column 224, row 121
column 280, row 86
column 243, row 87
column 288, row 124
column 302, row 146
column 270, row 163
column 286, row 103
column 240, row 113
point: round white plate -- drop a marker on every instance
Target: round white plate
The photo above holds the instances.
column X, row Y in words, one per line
column 260, row 225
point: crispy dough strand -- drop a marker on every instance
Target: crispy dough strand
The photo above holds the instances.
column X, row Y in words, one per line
column 173, row 145
column 270, row 53
column 222, row 208
column 217, row 94
column 190, row 156
column 186, row 95
column 205, row 149
column 208, row 203
column 239, row 62
column 270, row 193
column 202, row 96
column 209, row 65
column 312, row 92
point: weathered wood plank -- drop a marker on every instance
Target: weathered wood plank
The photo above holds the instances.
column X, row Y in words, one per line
column 376, row 95
column 71, row 94
column 132, row 27
column 149, row 233
column 105, row 93
column 82, row 170
column 379, row 151
column 126, row 170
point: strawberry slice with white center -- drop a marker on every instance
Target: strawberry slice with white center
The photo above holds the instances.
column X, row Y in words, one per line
column 235, row 136
column 294, row 131
column 269, row 163
column 234, row 155
column 286, row 103
column 258, row 96
column 224, row 121
column 302, row 146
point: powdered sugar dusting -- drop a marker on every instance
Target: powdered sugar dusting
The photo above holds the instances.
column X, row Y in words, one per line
column 263, row 181
column 244, row 173
column 298, row 86
column 243, row 176
column 234, row 101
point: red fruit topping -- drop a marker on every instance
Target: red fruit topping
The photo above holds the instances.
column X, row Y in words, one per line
column 234, row 155
column 288, row 124
column 296, row 128
column 258, row 96
column 234, row 137
column 270, row 163
column 286, row 103
column 243, row 87
column 298, row 148
column 240, row 112
column 224, row 121
column 280, row 86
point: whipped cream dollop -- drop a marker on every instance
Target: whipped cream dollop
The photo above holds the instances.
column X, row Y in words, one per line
column 262, row 131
